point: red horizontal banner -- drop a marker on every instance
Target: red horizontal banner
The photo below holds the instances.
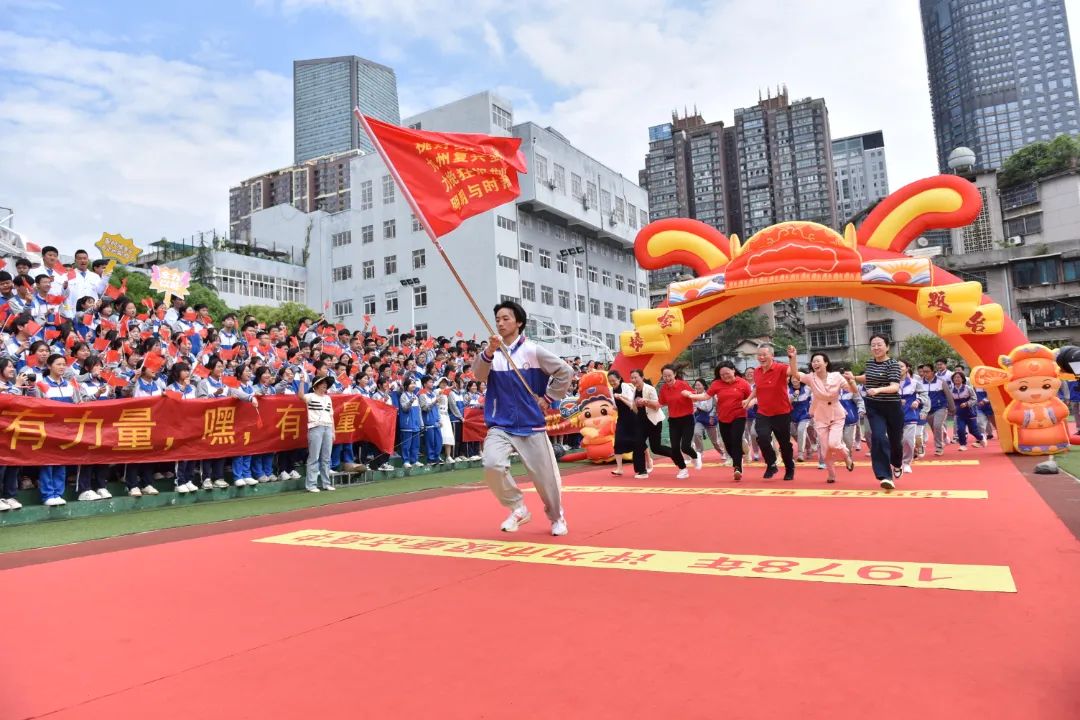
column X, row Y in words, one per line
column 164, row 429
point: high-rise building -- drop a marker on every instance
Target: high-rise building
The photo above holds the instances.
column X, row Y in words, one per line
column 1001, row 75
column 564, row 249
column 785, row 162
column 326, row 90
column 686, row 175
column 859, row 173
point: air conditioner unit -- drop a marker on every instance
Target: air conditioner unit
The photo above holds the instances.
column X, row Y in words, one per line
column 612, row 219
column 551, row 184
column 1015, row 240
column 585, row 202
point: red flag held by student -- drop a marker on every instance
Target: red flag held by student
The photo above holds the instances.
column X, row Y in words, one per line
column 451, row 176
column 230, row 381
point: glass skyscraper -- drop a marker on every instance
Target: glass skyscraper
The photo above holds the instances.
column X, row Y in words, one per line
column 1001, row 75
column 326, row 90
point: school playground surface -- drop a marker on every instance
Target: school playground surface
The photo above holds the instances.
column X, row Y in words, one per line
column 954, row 597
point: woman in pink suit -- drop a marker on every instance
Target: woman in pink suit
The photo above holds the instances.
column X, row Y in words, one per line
column 826, row 412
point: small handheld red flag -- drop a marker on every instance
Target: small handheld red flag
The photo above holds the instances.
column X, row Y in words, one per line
column 230, row 381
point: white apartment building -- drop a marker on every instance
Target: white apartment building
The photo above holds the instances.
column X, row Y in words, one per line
column 564, row 249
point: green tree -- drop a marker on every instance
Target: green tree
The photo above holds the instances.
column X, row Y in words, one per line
column 1040, row 159
column 744, row 326
column 782, row 338
column 202, row 267
column 289, row 312
column 925, row 348
column 138, row 287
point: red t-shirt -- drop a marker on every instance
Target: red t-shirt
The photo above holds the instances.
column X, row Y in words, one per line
column 772, row 389
column 671, row 395
column 729, row 398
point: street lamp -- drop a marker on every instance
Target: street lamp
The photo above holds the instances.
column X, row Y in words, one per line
column 410, row 282
column 568, row 252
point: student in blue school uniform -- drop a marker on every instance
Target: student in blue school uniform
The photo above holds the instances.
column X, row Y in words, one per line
column 409, row 423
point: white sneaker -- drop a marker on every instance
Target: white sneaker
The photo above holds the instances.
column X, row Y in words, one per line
column 387, row 468
column 406, row 465
column 682, row 474
column 51, row 502
column 962, row 448
column 697, row 462
column 102, row 494
column 207, row 484
column 4, row 505
column 135, row 492
column 517, row 518
column 182, row 489
column 821, row 466
column 641, row 476
column 329, row 487
column 271, row 478
column 87, row 496
column 13, row 504
column 263, row 479
column 907, row 468
column 240, row 482
column 149, row 490
column 251, row 481
column 888, row 484
column 559, row 527
column 474, row 458
column 220, row 483
column 61, row 501
column 295, row 475
column 313, row 489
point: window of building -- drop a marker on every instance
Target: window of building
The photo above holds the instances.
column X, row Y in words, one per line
column 590, row 193
column 1040, row 271
column 594, row 306
column 542, row 169
column 620, row 209
column 369, row 304
column 510, row 298
column 560, row 178
column 880, row 327
column 610, row 340
column 506, row 223
column 605, row 202
column 367, row 234
column 1026, row 225
column 367, row 270
column 416, row 226
column 575, row 186
column 621, row 314
column 592, row 274
column 420, row 295
column 501, row 118
column 643, row 217
column 508, row 262
column 605, row 278
column 528, row 290
column 564, row 299
column 642, row 290
column 829, row 337
column 560, row 265
column 631, row 286
column 620, row 282
column 816, row 304
column 579, row 271
column 387, row 190
column 631, row 214
column 581, row 303
column 547, row 295
column 525, row 252
column 565, row 330
column 389, row 229
column 545, row 258
column 1070, row 270
column 419, row 259
column 390, row 264
column 341, row 238
column 343, row 272
column 609, row 310
column 421, row 331
column 366, row 199
column 391, row 301
column 342, row 308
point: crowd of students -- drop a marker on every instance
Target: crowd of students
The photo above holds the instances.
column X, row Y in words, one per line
column 68, row 335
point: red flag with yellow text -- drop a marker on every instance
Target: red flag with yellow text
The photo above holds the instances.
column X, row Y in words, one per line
column 451, row 176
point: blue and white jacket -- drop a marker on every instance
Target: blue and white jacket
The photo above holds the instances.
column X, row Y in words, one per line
column 939, row 394
column 508, row 404
column 800, row 403
column 910, row 391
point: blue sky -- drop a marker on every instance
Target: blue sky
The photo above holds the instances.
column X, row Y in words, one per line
column 137, row 117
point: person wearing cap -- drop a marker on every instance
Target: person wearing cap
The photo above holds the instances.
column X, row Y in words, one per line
column 320, row 414
column 514, row 413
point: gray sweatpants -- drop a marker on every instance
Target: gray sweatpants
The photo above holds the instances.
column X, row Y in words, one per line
column 936, row 422
column 539, row 460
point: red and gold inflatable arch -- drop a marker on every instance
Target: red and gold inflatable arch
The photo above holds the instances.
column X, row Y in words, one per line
column 795, row 259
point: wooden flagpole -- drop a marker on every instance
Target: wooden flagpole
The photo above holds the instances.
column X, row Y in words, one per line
column 438, row 246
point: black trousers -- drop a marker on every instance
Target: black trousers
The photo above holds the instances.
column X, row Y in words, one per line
column 779, row 426
column 681, row 430
column 731, row 433
column 886, row 435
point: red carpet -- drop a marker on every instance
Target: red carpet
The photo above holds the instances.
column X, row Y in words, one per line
column 224, row 627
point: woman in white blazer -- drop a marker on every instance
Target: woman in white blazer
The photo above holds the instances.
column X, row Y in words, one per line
column 650, row 420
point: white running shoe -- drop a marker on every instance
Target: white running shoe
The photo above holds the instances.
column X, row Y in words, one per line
column 135, row 492
column 13, row 504
column 888, row 484
column 907, row 468
column 207, row 484
column 682, row 474
column 641, row 476
column 387, row 467
column 329, row 487
column 821, row 466
column 61, row 501
column 182, row 489
column 559, row 527
column 313, row 489
column 192, row 487
column 51, row 502
column 251, row 481
column 262, row 479
column 149, row 490
column 86, row 496
column 239, row 482
column 406, row 465
column 102, row 494
column 220, row 483
column 4, row 505
column 517, row 518
column 697, row 462
column 962, row 448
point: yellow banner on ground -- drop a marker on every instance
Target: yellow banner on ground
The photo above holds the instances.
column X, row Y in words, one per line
column 930, row 576
column 776, row 492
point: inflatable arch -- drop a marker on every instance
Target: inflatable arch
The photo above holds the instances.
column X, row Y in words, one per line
column 795, row 259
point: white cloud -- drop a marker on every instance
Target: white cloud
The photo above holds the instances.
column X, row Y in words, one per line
column 493, row 41
column 94, row 140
